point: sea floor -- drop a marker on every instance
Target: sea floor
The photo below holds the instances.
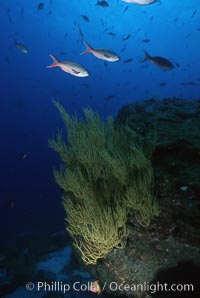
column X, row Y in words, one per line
column 54, row 274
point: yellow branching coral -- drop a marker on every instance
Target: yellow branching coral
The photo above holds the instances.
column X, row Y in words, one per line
column 142, row 203
column 95, row 230
column 106, row 176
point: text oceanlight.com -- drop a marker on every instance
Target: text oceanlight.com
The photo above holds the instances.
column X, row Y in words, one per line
column 59, row 286
column 151, row 287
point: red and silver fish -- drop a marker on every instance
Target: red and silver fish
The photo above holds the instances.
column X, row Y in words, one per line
column 72, row 68
column 101, row 53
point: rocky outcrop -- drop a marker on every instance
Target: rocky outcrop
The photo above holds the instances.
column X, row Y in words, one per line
column 169, row 249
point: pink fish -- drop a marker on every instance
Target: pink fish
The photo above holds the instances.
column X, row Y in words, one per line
column 72, row 68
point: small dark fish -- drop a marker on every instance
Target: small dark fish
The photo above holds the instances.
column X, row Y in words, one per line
column 159, row 61
column 80, row 33
column 151, row 19
column 109, row 97
column 177, row 64
column 40, row 6
column 125, row 9
column 102, row 3
column 195, row 11
column 22, row 156
column 22, row 12
column 126, row 37
column 128, row 60
column 175, row 20
column 50, row 12
column 111, row 33
column 162, row 84
column 85, row 18
column 146, row 40
column 9, row 204
column 190, row 84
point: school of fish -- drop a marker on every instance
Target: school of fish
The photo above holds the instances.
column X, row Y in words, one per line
column 78, row 70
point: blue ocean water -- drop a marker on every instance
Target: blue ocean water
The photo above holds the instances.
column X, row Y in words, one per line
column 167, row 28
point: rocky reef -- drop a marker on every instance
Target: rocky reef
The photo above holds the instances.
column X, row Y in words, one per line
column 169, row 249
column 165, row 251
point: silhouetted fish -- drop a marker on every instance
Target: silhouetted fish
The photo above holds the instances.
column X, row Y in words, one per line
column 125, row 9
column 111, row 33
column 177, row 64
column 40, row 6
column 102, row 3
column 146, row 40
column 194, row 12
column 109, row 97
column 128, row 60
column 159, row 61
column 80, row 32
column 85, row 18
